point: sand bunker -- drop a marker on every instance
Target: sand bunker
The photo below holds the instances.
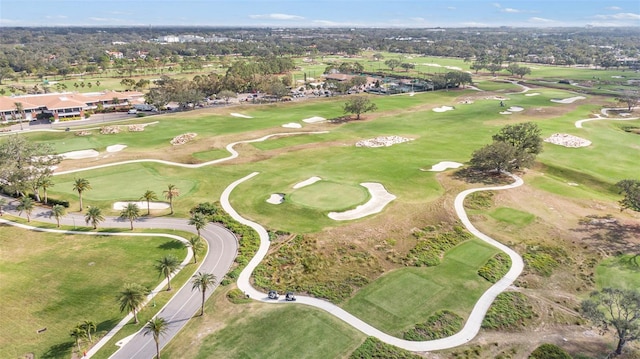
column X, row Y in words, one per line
column 379, row 199
column 307, row 182
column 292, row 125
column 276, row 198
column 239, row 115
column 116, row 148
column 439, row 167
column 443, row 109
column 515, row 109
column 77, row 155
column 382, row 141
column 566, row 140
column 118, row 206
column 505, row 112
column 532, row 94
column 314, row 119
column 568, row 100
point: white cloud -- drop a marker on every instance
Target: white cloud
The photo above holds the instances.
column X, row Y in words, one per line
column 614, row 8
column 510, row 10
column 619, row 16
column 55, row 17
column 277, row 17
column 451, row 7
column 417, row 19
column 495, row 4
column 540, row 20
column 104, row 19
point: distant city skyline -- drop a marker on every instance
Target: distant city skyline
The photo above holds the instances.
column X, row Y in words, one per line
column 320, row 13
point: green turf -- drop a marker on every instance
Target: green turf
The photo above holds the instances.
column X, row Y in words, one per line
column 283, row 332
column 54, row 281
column 619, row 272
column 400, row 299
column 512, row 216
column 327, row 195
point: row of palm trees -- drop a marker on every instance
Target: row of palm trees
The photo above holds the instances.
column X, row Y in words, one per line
column 133, row 297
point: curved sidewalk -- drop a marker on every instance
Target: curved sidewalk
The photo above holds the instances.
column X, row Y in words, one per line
column 473, row 323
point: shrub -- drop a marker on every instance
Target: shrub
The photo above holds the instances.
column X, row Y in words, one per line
column 495, row 268
column 373, row 348
column 236, row 296
column 509, row 311
column 440, row 325
column 206, row 208
column 543, row 260
column 429, row 251
column 549, row 351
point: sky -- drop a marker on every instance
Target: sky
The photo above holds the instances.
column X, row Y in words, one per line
column 321, row 13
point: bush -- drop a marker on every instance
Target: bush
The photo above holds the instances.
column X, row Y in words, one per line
column 373, row 348
column 543, row 260
column 236, row 296
column 549, row 351
column 50, row 201
column 428, row 251
column 495, row 268
column 206, row 208
column 440, row 325
column 509, row 311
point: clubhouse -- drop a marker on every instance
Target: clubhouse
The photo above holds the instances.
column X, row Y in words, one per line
column 64, row 104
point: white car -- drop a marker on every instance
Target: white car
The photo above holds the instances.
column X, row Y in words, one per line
column 133, row 111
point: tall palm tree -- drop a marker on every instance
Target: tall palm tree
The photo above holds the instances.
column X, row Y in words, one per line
column 202, row 282
column 20, row 111
column 94, row 216
column 89, row 326
column 167, row 265
column 130, row 212
column 77, row 333
column 149, row 196
column 45, row 183
column 197, row 245
column 131, row 299
column 27, row 205
column 58, row 211
column 157, row 327
column 170, row 193
column 198, row 220
column 80, row 185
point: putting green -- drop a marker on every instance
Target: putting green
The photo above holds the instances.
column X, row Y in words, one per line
column 327, row 195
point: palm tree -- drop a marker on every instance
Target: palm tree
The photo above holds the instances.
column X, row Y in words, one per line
column 130, row 212
column 27, row 205
column 149, row 196
column 94, row 216
column 202, row 282
column 131, row 299
column 88, row 326
column 58, row 211
column 45, row 183
column 157, row 327
column 20, row 111
column 77, row 333
column 80, row 185
column 171, row 192
column 198, row 220
column 197, row 245
column 167, row 265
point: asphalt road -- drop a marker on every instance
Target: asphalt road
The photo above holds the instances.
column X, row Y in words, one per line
column 186, row 302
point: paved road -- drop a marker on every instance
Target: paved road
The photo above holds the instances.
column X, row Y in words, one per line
column 471, row 327
column 185, row 303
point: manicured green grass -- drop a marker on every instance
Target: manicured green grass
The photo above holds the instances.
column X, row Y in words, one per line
column 54, row 281
column 327, row 195
column 512, row 216
column 400, row 299
column 619, row 272
column 283, row 332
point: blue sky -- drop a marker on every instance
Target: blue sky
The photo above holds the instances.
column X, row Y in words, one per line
column 321, row 13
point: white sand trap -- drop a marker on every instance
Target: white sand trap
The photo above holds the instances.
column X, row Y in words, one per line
column 292, row 125
column 116, row 148
column 239, row 115
column 566, row 140
column 118, row 206
column 532, row 94
column 276, row 198
column 382, row 141
column 307, row 182
column 439, row 167
column 379, row 199
column 412, row 93
column 505, row 112
column 568, row 100
column 443, row 109
column 314, row 119
column 77, row 155
column 515, row 109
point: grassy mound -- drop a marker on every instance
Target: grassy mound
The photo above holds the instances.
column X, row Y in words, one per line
column 495, row 268
column 509, row 311
column 440, row 325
